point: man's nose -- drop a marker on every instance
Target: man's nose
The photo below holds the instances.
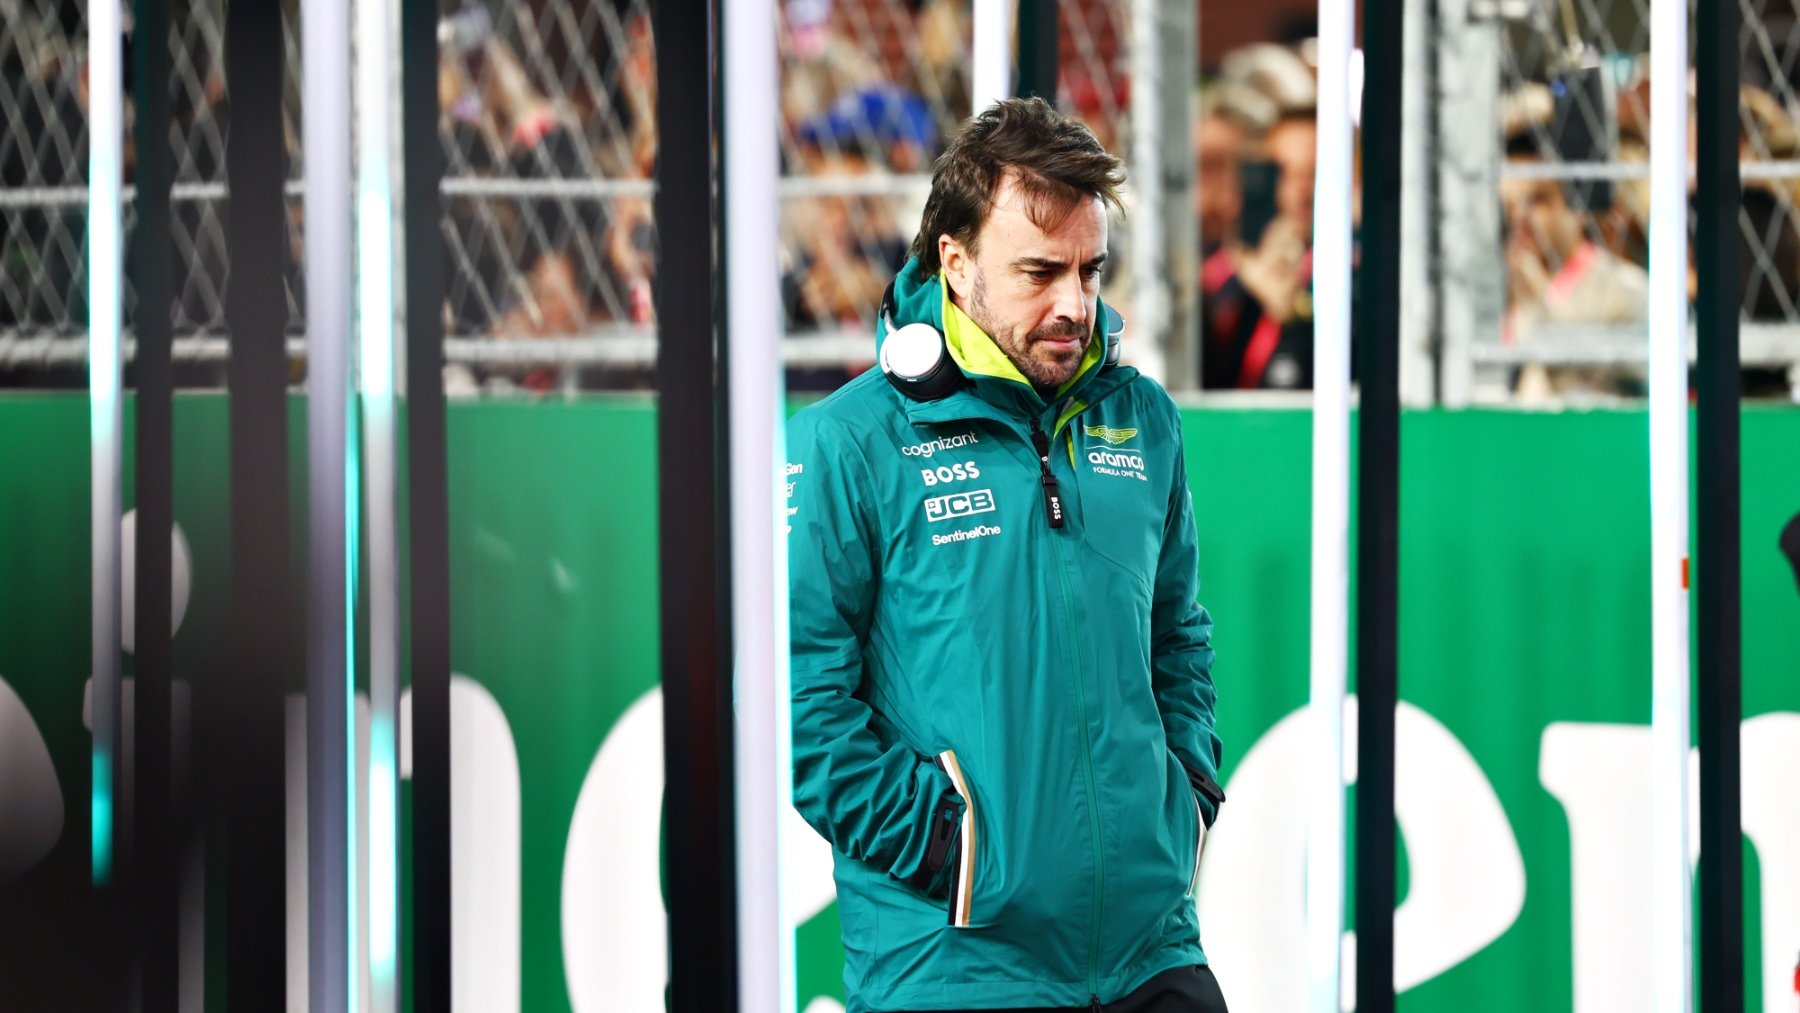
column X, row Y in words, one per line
column 1071, row 299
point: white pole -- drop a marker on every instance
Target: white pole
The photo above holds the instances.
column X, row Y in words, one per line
column 1670, row 889
column 333, row 475
column 758, row 484
column 1150, row 285
column 1330, row 511
column 376, row 301
column 106, row 133
column 991, row 59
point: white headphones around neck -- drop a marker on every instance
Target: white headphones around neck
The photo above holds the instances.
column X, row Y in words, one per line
column 915, row 359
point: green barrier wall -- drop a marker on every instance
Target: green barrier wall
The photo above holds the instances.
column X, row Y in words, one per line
column 1524, row 653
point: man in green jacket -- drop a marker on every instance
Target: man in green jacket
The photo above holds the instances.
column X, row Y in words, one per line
column 1002, row 691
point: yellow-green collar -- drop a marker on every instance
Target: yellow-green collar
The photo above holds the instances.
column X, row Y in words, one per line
column 977, row 353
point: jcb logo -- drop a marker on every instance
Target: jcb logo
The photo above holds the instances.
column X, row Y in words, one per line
column 961, row 504
column 950, row 473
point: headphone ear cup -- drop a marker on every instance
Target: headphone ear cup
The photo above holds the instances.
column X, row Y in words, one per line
column 1114, row 327
column 915, row 360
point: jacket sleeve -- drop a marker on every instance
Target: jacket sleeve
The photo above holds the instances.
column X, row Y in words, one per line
column 867, row 793
column 1181, row 654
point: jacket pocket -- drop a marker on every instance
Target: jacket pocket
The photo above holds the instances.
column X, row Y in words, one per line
column 1199, row 843
column 962, row 875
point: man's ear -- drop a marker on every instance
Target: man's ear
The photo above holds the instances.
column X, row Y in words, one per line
column 959, row 267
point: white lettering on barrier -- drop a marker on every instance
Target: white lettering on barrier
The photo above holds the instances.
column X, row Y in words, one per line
column 614, row 926
column 1600, row 774
column 1468, row 878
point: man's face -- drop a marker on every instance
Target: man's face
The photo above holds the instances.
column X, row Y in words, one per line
column 1218, row 193
column 1293, row 145
column 1033, row 291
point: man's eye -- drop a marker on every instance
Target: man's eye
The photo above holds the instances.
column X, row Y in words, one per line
column 1041, row 277
column 1090, row 273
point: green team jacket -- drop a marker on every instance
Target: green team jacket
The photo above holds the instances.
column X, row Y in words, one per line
column 1004, row 729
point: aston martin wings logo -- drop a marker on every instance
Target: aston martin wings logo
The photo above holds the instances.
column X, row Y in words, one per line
column 1109, row 434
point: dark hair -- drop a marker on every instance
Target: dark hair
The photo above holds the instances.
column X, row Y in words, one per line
column 1058, row 161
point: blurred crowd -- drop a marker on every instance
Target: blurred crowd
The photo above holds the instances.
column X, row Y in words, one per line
column 548, row 124
column 1575, row 249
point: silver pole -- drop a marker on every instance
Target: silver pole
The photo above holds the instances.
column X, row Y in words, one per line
column 1671, row 885
column 758, row 503
column 332, row 509
column 1418, row 301
column 1473, row 277
column 1161, row 230
column 990, row 78
column 1330, row 512
column 106, row 132
column 377, row 299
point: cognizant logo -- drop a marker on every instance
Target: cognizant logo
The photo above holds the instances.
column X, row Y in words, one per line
column 941, row 443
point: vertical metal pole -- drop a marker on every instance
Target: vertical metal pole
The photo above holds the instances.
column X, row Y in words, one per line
column 1473, row 275
column 1330, row 511
column 1419, row 307
column 1670, row 896
column 757, row 497
column 695, row 540
column 1378, row 504
column 244, row 720
column 990, row 78
column 157, row 872
column 1039, row 42
column 376, row 304
column 428, row 509
column 332, row 503
column 106, row 299
column 1720, row 689
column 1162, row 234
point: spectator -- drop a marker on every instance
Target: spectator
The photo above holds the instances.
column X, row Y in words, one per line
column 1229, row 119
column 819, row 64
column 881, row 123
column 1559, row 276
column 1257, row 289
column 846, row 248
column 942, row 28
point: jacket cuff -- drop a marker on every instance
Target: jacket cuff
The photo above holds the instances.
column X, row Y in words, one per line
column 1210, row 794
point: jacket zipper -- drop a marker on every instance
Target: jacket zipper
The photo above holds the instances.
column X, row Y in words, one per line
column 1040, row 444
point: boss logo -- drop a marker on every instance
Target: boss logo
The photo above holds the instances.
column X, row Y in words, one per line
column 950, row 473
column 958, row 504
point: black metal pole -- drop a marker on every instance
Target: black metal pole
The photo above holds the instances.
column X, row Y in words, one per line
column 1717, row 571
column 1038, row 49
column 155, row 871
column 1376, row 330
column 428, row 508
column 244, row 718
column 694, row 545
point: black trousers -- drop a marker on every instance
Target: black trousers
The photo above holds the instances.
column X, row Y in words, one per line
column 1181, row 990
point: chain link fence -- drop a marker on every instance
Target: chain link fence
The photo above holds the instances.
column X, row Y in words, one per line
column 550, row 144
column 1573, row 186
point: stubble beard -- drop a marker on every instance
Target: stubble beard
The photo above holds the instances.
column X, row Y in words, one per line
column 1047, row 371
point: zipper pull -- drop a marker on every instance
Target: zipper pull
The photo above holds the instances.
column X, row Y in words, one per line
column 1053, row 507
column 1096, row 1000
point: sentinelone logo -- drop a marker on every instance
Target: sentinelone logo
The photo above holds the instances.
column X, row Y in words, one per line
column 941, row 443
column 978, row 531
